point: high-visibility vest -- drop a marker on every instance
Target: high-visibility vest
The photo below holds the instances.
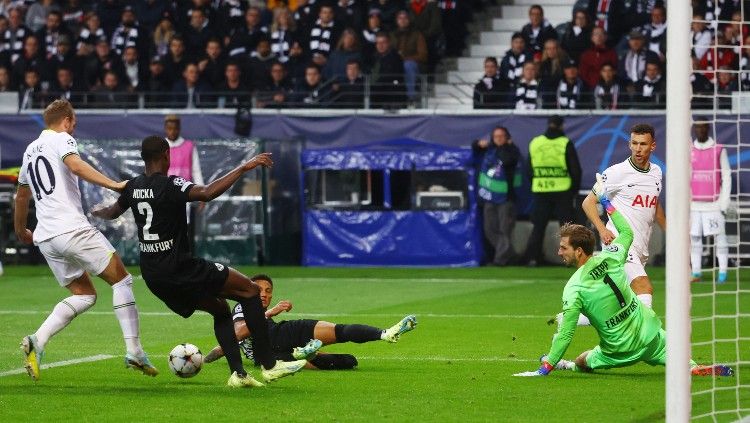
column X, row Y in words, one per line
column 550, row 171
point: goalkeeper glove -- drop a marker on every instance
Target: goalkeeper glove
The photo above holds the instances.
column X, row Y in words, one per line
column 597, row 189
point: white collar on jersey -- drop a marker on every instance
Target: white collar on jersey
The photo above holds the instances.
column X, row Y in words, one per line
column 176, row 143
column 704, row 145
column 630, row 162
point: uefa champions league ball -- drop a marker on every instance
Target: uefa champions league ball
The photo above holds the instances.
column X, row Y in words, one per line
column 185, row 360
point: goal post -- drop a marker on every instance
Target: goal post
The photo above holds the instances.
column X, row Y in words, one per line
column 677, row 381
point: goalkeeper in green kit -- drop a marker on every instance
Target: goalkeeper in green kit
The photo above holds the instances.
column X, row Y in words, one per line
column 628, row 331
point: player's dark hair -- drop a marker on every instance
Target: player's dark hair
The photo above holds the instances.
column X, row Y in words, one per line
column 153, row 147
column 262, row 277
column 57, row 111
column 579, row 237
column 643, row 128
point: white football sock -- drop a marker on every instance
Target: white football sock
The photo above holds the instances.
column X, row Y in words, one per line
column 696, row 253
column 63, row 313
column 583, row 320
column 646, row 299
column 123, row 302
column 722, row 252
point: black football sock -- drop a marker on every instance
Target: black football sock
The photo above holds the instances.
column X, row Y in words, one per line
column 224, row 331
column 255, row 319
column 357, row 333
column 334, row 361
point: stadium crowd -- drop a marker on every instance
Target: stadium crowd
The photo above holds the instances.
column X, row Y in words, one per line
column 214, row 53
column 612, row 55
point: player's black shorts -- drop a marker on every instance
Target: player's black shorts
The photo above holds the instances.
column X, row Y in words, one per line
column 285, row 335
column 182, row 289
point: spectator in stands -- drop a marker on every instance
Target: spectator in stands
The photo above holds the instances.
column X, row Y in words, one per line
column 212, row 64
column 491, row 92
column 150, row 14
column 347, row 49
column 36, row 14
column 111, row 93
column 632, row 66
column 349, row 92
column 425, row 16
column 232, row 92
column 703, row 91
column 454, row 26
column 278, row 91
column 232, row 13
column 89, row 34
column 526, row 91
column 30, row 58
column 177, row 58
column 498, row 180
column 295, row 66
column 14, row 36
column 128, row 33
column 368, row 35
column 412, row 47
column 110, row 13
column 611, row 16
column 323, row 36
column 388, row 11
column 577, row 36
column 511, row 66
column 351, row 14
column 190, row 92
column 282, row 33
column 714, row 10
column 639, row 12
column 537, row 31
column 387, row 74
column 5, row 84
column 607, row 90
column 701, row 37
column 649, row 92
column 720, row 54
column 726, row 84
column 312, row 92
column 744, row 66
column 159, row 84
column 101, row 61
column 572, row 93
column 305, row 14
column 64, row 56
column 162, row 37
column 244, row 40
column 595, row 57
column 656, row 32
column 65, row 87
column 51, row 32
column 198, row 32
column 136, row 71
column 259, row 65
column 551, row 71
column 30, row 93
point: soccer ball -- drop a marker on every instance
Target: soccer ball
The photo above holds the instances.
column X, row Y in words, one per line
column 185, row 360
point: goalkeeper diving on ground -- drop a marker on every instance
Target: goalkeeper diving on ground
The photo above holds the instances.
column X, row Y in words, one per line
column 629, row 332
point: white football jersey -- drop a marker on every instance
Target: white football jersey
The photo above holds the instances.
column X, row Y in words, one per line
column 635, row 194
column 54, row 187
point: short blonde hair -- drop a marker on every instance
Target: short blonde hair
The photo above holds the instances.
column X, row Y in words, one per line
column 57, row 111
column 172, row 118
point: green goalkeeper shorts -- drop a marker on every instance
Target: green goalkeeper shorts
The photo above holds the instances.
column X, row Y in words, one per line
column 655, row 353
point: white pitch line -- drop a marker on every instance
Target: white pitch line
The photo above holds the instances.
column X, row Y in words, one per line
column 89, row 359
column 394, row 315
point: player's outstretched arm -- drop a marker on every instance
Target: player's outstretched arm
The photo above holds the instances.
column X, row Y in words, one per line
column 20, row 214
column 110, row 212
column 87, row 172
column 589, row 207
column 625, row 237
column 221, row 185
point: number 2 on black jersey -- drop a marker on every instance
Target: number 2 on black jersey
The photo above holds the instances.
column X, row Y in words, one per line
column 36, row 178
column 145, row 209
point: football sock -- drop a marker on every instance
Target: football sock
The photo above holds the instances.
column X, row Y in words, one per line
column 255, row 319
column 696, row 253
column 357, row 333
column 224, row 331
column 646, row 299
column 123, row 302
column 583, row 320
column 63, row 313
column 722, row 252
column 334, row 361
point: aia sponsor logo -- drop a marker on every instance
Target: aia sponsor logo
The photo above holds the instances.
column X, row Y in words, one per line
column 649, row 201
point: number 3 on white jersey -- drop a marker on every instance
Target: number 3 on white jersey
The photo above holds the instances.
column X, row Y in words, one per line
column 145, row 209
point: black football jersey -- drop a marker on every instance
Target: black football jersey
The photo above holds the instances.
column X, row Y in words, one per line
column 158, row 206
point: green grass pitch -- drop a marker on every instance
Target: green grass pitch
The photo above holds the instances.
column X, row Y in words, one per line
column 476, row 328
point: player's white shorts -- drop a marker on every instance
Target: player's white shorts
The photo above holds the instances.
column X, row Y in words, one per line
column 635, row 265
column 71, row 254
column 706, row 223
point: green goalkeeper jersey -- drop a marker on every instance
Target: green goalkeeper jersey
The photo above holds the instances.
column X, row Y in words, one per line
column 600, row 291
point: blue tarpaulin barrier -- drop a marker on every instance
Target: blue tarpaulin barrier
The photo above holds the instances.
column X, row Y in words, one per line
column 384, row 236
